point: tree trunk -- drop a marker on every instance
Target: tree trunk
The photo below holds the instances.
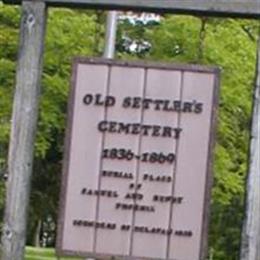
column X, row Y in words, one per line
column 37, row 234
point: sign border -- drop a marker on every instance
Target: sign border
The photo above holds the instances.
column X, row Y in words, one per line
column 66, row 157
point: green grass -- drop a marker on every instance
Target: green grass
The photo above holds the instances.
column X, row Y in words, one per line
column 33, row 253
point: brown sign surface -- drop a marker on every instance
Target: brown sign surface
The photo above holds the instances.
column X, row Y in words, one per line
column 138, row 160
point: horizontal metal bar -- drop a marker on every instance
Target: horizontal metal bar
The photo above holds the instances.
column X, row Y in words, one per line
column 227, row 8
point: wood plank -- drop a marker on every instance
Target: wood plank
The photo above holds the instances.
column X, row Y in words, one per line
column 250, row 249
column 225, row 8
column 24, row 121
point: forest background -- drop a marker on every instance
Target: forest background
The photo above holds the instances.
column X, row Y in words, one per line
column 227, row 43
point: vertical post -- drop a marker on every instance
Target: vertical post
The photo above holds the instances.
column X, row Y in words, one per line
column 24, row 121
column 250, row 247
column 110, row 40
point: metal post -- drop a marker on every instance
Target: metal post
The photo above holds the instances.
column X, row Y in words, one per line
column 24, row 121
column 250, row 247
column 110, row 35
column 110, row 41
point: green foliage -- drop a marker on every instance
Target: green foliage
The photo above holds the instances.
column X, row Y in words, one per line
column 66, row 38
column 33, row 253
column 9, row 21
column 231, row 45
column 227, row 43
column 8, row 48
column 77, row 35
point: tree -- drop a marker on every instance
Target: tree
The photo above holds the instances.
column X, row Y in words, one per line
column 229, row 44
column 9, row 21
column 76, row 35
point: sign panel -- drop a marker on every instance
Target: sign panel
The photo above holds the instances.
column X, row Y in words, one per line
column 138, row 159
column 227, row 8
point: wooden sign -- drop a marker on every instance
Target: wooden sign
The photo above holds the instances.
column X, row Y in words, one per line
column 138, row 160
column 227, row 8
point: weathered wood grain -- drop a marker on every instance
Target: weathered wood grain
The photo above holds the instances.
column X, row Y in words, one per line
column 24, row 121
column 250, row 247
column 226, row 8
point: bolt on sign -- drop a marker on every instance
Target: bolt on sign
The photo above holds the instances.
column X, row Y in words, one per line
column 138, row 158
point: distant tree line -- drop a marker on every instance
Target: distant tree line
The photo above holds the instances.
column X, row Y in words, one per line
column 227, row 43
